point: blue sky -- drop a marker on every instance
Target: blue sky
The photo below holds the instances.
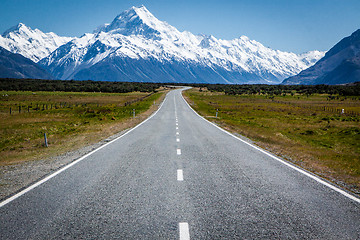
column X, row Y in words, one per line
column 288, row 25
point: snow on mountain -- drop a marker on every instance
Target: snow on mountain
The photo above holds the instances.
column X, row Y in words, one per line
column 136, row 46
column 310, row 58
column 32, row 44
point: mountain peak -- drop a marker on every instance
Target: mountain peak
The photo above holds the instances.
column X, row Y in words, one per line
column 31, row 43
column 136, row 21
column 140, row 8
column 20, row 27
column 136, row 13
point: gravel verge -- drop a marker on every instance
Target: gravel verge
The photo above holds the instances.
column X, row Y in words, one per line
column 16, row 177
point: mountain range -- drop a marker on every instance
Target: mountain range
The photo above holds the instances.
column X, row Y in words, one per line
column 136, row 46
column 32, row 44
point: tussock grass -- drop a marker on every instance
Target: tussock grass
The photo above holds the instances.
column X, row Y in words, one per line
column 293, row 127
column 70, row 120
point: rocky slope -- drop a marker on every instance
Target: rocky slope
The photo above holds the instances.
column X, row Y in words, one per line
column 14, row 65
column 340, row 65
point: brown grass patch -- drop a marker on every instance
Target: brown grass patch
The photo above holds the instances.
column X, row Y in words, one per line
column 86, row 119
column 326, row 143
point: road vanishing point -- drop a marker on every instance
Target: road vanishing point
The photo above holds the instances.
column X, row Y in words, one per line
column 178, row 176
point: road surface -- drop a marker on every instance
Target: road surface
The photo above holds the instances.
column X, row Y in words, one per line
column 176, row 176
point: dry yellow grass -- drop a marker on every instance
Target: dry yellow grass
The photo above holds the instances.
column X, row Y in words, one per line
column 326, row 143
column 90, row 118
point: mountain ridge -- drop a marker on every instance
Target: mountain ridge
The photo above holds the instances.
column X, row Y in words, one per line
column 340, row 65
column 137, row 35
column 13, row 65
column 31, row 43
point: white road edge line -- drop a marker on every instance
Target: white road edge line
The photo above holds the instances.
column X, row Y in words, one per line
column 12, row 198
column 184, row 231
column 178, row 151
column 319, row 180
column 180, row 176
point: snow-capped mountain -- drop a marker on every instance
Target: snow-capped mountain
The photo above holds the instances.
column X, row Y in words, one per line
column 32, row 44
column 136, row 46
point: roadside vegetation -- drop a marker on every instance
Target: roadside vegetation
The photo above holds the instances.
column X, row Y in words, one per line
column 332, row 91
column 7, row 84
column 305, row 125
column 69, row 119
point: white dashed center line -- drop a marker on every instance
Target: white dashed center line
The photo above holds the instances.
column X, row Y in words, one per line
column 184, row 231
column 180, row 176
column 183, row 226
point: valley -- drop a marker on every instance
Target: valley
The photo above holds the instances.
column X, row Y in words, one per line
column 229, row 120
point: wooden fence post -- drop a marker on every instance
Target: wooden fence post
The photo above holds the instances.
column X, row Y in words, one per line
column 45, row 138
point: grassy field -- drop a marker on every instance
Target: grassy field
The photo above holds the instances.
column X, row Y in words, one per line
column 70, row 120
column 303, row 129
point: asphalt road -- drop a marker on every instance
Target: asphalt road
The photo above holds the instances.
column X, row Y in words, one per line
column 178, row 176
